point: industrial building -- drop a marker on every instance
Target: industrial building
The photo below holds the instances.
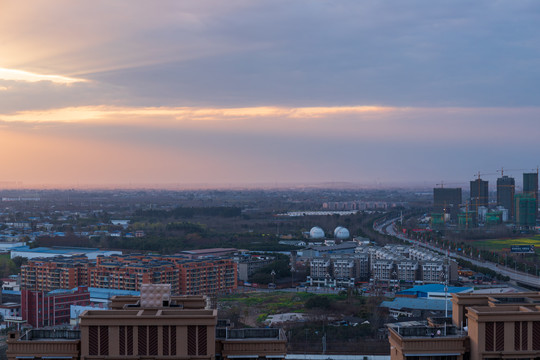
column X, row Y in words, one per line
column 55, row 251
column 41, row 309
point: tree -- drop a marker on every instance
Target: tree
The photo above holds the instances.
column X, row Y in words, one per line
column 19, row 261
column 318, row 301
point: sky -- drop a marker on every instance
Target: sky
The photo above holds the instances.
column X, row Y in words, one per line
column 267, row 92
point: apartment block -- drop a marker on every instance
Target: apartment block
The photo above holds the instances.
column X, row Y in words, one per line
column 47, row 275
column 207, row 277
column 407, row 270
column 343, row 268
column 382, row 269
column 130, row 272
column 319, row 268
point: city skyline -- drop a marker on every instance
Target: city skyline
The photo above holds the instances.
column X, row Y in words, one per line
column 231, row 94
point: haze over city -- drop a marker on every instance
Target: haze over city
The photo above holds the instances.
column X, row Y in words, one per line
column 134, row 93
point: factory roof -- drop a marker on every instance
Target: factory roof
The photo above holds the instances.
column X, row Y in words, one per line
column 423, row 290
column 417, row 304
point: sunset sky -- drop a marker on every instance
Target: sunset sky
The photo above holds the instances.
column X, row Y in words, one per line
column 230, row 93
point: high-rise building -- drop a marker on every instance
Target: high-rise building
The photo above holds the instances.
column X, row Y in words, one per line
column 506, row 188
column 447, row 201
column 525, row 210
column 479, row 194
column 530, row 187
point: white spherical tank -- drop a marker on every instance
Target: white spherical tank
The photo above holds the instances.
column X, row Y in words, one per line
column 341, row 233
column 316, row 233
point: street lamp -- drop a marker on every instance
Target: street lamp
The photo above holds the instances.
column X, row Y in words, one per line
column 327, row 280
column 273, row 273
column 444, row 279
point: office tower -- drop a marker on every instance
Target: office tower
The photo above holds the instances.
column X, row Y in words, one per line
column 530, row 186
column 525, row 210
column 506, row 188
column 479, row 194
column 447, row 201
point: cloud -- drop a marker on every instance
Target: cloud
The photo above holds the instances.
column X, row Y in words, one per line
column 20, row 75
column 254, row 90
column 244, row 53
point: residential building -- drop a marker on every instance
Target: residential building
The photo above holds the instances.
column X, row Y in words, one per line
column 361, row 262
column 479, row 194
column 447, row 201
column 207, row 276
column 407, row 270
column 383, row 270
column 482, row 327
column 130, row 272
column 530, row 187
column 506, row 189
column 525, row 210
column 156, row 325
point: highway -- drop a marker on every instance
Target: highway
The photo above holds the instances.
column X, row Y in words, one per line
column 387, row 227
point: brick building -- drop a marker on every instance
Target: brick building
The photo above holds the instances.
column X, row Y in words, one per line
column 48, row 309
column 155, row 326
column 207, row 277
column 130, row 272
column 482, row 327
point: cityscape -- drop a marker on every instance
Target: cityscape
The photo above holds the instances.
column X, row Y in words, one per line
column 308, row 180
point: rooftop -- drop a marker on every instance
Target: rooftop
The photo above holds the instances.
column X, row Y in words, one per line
column 418, row 304
column 251, row 333
column 435, row 288
column 419, row 329
column 48, row 335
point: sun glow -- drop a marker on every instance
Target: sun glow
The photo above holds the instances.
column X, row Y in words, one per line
column 26, row 76
column 110, row 113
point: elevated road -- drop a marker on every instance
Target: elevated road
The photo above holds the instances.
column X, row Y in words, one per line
column 388, row 228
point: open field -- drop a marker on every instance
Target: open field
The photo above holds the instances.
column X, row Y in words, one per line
column 505, row 244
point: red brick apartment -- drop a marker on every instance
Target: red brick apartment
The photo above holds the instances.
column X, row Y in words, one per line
column 130, row 272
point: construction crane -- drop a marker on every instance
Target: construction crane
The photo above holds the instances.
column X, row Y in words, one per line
column 442, row 183
column 503, row 170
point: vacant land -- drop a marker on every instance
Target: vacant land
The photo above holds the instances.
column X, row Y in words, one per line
column 343, row 323
column 505, row 244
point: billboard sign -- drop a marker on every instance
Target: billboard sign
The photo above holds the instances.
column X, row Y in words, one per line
column 522, row 248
